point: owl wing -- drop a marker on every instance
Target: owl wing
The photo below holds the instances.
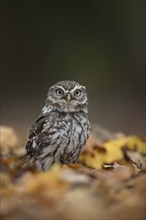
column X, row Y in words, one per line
column 35, row 131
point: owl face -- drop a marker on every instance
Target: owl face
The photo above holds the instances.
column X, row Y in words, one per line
column 68, row 96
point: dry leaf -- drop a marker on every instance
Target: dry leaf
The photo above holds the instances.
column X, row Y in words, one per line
column 41, row 181
column 9, row 139
column 112, row 151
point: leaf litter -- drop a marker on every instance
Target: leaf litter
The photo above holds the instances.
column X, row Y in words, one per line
column 107, row 182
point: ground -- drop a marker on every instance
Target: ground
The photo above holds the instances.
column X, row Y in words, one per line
column 107, row 182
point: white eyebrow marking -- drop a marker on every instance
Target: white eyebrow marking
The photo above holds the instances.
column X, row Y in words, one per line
column 60, row 87
column 76, row 87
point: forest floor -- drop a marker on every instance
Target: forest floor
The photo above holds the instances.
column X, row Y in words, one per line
column 108, row 182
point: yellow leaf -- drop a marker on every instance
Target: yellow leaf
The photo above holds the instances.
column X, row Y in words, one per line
column 113, row 151
column 131, row 142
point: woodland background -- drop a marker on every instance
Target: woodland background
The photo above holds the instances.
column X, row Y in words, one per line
column 101, row 44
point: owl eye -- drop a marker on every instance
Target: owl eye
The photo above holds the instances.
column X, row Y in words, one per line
column 77, row 92
column 59, row 92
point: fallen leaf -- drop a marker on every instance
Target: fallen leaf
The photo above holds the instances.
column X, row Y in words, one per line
column 113, row 151
column 9, row 139
column 41, row 181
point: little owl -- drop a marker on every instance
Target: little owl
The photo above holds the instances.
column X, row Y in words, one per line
column 62, row 129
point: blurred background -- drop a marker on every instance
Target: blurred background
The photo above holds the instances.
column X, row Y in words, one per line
column 100, row 44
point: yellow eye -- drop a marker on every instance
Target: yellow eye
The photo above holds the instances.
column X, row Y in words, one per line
column 77, row 92
column 59, row 92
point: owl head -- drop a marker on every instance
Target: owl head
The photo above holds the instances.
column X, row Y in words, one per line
column 67, row 96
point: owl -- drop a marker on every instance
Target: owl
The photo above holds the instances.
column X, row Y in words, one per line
column 60, row 132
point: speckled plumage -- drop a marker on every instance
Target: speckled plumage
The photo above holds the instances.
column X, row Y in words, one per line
column 61, row 131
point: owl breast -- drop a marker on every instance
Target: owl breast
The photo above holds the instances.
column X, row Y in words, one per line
column 73, row 138
column 64, row 141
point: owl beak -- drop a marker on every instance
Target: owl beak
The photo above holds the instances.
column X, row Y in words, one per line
column 68, row 97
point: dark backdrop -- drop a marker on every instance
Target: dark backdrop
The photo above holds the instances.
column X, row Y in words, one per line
column 101, row 44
